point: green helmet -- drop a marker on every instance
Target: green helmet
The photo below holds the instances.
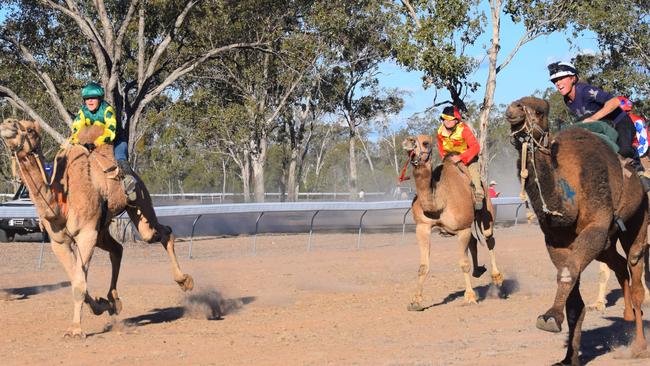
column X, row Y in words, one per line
column 92, row 90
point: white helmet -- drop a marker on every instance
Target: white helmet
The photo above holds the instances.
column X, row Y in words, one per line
column 561, row 69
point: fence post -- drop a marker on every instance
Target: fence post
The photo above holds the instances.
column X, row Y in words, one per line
column 40, row 256
column 360, row 224
column 311, row 229
column 189, row 254
column 404, row 223
column 257, row 222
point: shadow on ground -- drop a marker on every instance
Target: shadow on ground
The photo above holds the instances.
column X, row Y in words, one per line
column 599, row 341
column 198, row 307
column 22, row 293
column 483, row 292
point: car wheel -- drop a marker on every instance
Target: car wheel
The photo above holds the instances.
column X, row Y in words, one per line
column 6, row 237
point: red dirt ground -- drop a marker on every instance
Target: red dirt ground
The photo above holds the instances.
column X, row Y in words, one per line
column 334, row 305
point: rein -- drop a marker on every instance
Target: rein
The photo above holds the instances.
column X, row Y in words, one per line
column 422, row 157
column 531, row 145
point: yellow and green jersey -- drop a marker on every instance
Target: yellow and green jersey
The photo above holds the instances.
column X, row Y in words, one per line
column 104, row 116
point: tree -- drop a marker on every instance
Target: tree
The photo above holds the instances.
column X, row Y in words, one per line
column 357, row 34
column 136, row 54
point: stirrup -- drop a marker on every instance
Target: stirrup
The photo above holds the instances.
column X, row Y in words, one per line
column 128, row 183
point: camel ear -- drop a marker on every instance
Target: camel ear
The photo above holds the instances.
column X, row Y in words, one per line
column 409, row 143
column 37, row 127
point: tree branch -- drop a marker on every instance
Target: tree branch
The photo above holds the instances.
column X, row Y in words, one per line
column 15, row 99
column 45, row 79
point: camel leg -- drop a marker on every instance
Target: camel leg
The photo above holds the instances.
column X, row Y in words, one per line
column 575, row 313
column 473, row 251
column 464, row 238
column 423, row 237
column 497, row 276
column 113, row 305
column 603, row 277
column 144, row 218
column 64, row 254
column 618, row 264
column 635, row 246
column 85, row 241
column 570, row 262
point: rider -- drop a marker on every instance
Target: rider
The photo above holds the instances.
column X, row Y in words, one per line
column 641, row 138
column 590, row 104
column 96, row 111
column 454, row 136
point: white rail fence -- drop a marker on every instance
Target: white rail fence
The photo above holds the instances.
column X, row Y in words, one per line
column 200, row 211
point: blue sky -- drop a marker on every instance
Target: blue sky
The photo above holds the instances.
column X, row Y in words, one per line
column 525, row 73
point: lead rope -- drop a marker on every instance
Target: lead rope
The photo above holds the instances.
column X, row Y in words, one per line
column 541, row 196
column 524, row 171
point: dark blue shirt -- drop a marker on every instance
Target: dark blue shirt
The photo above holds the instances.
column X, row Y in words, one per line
column 590, row 100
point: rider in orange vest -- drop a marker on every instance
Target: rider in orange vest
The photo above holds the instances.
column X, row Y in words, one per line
column 454, row 136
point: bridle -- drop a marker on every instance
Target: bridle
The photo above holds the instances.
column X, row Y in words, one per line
column 524, row 138
column 422, row 157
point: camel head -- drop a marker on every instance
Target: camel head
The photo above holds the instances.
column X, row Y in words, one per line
column 419, row 148
column 21, row 137
column 528, row 119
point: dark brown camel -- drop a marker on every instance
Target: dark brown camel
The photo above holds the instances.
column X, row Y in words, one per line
column 445, row 200
column 585, row 201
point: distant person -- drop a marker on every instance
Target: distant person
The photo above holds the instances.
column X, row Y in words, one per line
column 454, row 136
column 589, row 104
column 492, row 190
column 362, row 195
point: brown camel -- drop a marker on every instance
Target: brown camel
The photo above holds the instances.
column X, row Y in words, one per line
column 77, row 207
column 445, row 200
column 584, row 201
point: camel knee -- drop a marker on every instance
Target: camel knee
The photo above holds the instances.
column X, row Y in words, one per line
column 424, row 269
column 464, row 265
column 566, row 275
column 79, row 291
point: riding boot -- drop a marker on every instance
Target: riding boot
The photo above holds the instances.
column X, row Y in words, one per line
column 643, row 175
column 128, row 180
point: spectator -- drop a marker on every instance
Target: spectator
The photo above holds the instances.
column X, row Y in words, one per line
column 492, row 190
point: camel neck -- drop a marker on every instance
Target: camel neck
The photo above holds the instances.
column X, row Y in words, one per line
column 39, row 191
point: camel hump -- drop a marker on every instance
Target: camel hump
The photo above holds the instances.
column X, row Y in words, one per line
column 89, row 134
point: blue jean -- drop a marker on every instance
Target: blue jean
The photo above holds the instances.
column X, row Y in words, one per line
column 121, row 149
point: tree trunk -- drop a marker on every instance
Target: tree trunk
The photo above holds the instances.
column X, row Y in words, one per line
column 292, row 178
column 246, row 178
column 258, row 160
column 352, row 179
column 223, row 182
column 488, row 100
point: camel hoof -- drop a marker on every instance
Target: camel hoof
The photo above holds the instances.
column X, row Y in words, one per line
column 497, row 279
column 478, row 271
column 548, row 323
column 639, row 349
column 598, row 305
column 415, row 306
column 470, row 297
column 116, row 303
column 74, row 334
column 186, row 283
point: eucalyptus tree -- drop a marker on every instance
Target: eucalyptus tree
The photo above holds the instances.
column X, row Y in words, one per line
column 357, row 35
column 137, row 49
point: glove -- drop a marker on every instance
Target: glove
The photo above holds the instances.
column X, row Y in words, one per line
column 90, row 147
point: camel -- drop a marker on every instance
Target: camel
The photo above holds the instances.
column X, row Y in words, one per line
column 77, row 207
column 445, row 200
column 585, row 200
column 604, row 272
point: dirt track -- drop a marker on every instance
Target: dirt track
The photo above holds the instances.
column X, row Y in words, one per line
column 334, row 305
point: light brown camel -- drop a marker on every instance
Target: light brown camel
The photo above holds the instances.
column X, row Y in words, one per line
column 77, row 208
column 584, row 201
column 445, row 200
